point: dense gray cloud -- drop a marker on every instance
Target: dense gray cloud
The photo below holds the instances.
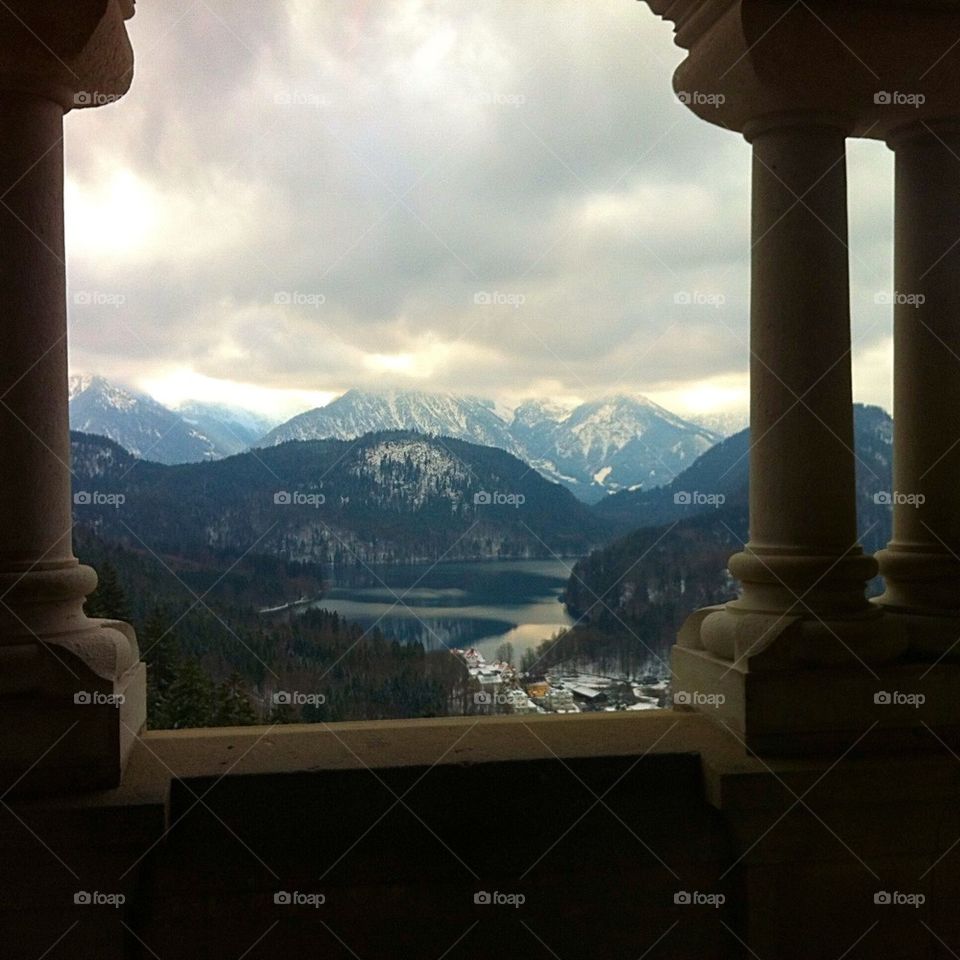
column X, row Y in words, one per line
column 501, row 198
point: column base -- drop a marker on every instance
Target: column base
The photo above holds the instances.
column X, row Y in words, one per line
column 889, row 708
column 922, row 594
column 72, row 728
column 917, row 577
column 769, row 640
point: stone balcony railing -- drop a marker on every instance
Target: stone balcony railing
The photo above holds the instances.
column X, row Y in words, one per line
column 602, row 822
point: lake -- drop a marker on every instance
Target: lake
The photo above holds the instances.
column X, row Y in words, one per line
column 476, row 604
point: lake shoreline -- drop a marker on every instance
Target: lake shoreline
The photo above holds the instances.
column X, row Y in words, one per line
column 481, row 603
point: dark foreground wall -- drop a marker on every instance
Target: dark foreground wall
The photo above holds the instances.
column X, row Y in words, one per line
column 602, row 837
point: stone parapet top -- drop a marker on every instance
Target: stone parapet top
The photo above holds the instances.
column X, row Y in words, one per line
column 730, row 776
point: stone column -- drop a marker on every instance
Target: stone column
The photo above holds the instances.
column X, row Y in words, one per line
column 800, row 662
column 35, row 510
column 922, row 562
column 72, row 689
column 792, row 662
column 802, row 516
column 803, row 568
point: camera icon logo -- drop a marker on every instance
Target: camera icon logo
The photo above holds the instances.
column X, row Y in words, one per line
column 483, row 699
column 282, row 697
column 83, row 697
column 82, row 898
column 482, row 498
column 882, row 897
column 883, row 698
column 681, row 697
column 82, row 498
column 482, row 897
column 683, row 498
column 682, row 898
column 282, row 898
column 883, row 98
column 282, row 298
column 282, row 497
column 883, row 498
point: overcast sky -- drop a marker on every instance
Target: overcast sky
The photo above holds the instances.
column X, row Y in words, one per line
column 498, row 198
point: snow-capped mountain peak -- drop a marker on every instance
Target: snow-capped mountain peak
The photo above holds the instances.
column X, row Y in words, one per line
column 151, row 431
column 532, row 413
column 109, row 395
column 596, row 448
column 360, row 411
column 78, row 384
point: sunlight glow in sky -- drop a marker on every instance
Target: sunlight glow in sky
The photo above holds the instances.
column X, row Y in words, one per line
column 503, row 200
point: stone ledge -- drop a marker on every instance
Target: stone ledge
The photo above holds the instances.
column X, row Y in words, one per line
column 401, row 743
column 731, row 776
column 162, row 756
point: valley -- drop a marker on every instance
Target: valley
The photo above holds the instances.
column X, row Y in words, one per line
column 416, row 540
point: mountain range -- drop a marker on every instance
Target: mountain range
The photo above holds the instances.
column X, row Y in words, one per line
column 595, row 449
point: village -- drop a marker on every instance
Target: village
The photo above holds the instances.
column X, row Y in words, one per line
column 501, row 688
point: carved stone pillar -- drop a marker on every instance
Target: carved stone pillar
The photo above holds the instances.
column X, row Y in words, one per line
column 921, row 566
column 803, row 572
column 72, row 689
column 800, row 662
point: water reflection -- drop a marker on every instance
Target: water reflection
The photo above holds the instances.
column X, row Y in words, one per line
column 458, row 604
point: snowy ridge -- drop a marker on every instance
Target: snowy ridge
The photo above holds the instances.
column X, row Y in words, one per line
column 438, row 414
column 428, row 472
column 148, row 429
column 595, row 449
column 724, row 424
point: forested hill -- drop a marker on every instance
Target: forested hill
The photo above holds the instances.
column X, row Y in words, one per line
column 632, row 595
column 723, row 472
column 393, row 496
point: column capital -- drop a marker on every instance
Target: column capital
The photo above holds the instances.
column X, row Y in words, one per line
column 75, row 52
column 854, row 59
